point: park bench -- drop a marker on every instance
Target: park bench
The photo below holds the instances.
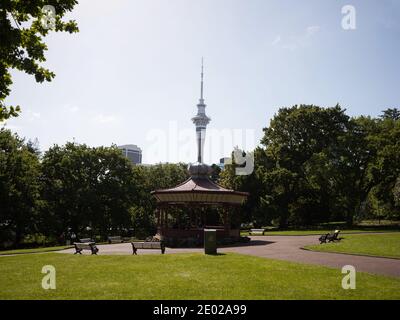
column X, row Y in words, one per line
column 80, row 246
column 115, row 239
column 257, row 231
column 334, row 237
column 147, row 245
column 323, row 238
column 330, row 237
column 85, row 240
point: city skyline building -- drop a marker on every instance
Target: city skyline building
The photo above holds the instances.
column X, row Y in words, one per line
column 132, row 152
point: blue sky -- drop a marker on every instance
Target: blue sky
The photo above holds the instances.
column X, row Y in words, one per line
column 133, row 70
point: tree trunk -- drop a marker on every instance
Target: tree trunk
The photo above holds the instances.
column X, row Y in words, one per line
column 18, row 236
column 283, row 221
column 349, row 219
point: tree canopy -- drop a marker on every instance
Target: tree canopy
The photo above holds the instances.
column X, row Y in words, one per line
column 19, row 187
column 318, row 164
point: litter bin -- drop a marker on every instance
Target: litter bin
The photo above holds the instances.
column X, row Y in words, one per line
column 210, row 241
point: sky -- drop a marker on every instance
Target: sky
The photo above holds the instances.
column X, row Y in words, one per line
column 132, row 73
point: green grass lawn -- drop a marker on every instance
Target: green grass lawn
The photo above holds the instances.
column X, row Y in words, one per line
column 34, row 250
column 182, row 276
column 313, row 232
column 383, row 245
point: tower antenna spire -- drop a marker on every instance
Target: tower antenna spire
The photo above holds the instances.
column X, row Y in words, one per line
column 202, row 76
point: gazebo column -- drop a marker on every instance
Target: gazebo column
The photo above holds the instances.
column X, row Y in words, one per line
column 163, row 218
column 227, row 226
column 236, row 214
column 166, row 219
column 157, row 211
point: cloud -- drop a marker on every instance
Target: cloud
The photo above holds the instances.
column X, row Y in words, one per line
column 73, row 109
column 70, row 108
column 276, row 40
column 299, row 41
column 312, row 30
column 32, row 116
column 104, row 119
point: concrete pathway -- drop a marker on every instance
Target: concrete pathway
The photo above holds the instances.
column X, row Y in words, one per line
column 287, row 248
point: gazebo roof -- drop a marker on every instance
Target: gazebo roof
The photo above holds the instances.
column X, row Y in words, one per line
column 199, row 189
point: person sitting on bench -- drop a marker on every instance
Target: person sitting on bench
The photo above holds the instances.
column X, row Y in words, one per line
column 334, row 236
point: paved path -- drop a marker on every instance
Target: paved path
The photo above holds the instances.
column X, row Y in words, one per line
column 281, row 248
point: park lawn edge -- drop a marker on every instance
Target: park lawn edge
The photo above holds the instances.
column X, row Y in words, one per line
column 298, row 233
column 311, row 248
column 34, row 250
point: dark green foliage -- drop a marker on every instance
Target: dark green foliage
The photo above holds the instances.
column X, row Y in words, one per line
column 390, row 113
column 19, row 188
column 160, row 176
column 87, row 187
column 76, row 188
column 318, row 164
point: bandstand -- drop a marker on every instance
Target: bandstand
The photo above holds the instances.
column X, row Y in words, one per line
column 197, row 197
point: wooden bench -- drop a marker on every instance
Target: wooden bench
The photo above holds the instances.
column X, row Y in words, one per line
column 79, row 247
column 85, row 240
column 257, row 231
column 323, row 238
column 330, row 237
column 116, row 239
column 147, row 245
column 334, row 237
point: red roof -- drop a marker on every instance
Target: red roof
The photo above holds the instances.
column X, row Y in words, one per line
column 199, row 189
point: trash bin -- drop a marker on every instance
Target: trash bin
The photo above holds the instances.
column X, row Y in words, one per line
column 210, row 241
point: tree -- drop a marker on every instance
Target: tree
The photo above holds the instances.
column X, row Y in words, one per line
column 317, row 164
column 385, row 168
column 19, row 188
column 252, row 210
column 159, row 176
column 389, row 113
column 22, row 29
column 88, row 187
column 216, row 170
column 303, row 144
column 396, row 192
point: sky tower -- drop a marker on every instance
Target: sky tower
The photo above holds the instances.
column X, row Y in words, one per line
column 201, row 120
